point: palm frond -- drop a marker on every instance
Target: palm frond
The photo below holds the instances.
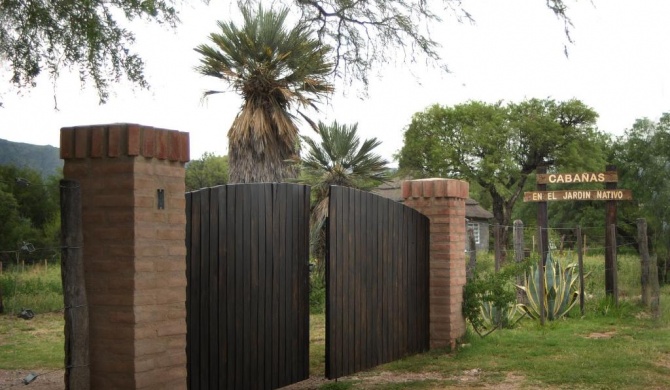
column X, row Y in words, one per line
column 276, row 68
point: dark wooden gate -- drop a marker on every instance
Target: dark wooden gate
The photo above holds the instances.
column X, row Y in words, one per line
column 377, row 281
column 247, row 293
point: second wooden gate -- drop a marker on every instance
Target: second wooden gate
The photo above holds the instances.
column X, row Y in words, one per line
column 377, row 281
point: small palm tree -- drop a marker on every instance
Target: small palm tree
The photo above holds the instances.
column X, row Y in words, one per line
column 339, row 159
column 275, row 69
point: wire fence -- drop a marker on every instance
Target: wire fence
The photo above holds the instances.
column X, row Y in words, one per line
column 561, row 239
column 31, row 280
column 632, row 277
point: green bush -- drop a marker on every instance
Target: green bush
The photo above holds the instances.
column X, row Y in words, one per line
column 489, row 298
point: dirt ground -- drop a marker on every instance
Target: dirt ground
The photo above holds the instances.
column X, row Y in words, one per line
column 471, row 379
column 46, row 380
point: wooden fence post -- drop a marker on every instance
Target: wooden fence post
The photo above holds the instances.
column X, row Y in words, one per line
column 497, row 245
column 654, row 288
column 543, row 220
column 644, row 260
column 2, row 305
column 540, row 266
column 77, row 372
column 580, row 262
column 472, row 253
column 518, row 256
column 610, row 265
column 610, row 239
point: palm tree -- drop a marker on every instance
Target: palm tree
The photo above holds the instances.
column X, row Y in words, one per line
column 275, row 69
column 339, row 159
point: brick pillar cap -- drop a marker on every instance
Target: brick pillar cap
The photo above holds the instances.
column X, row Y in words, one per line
column 435, row 188
column 123, row 139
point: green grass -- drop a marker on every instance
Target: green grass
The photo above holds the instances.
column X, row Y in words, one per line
column 635, row 353
column 563, row 354
column 37, row 287
column 38, row 342
column 632, row 352
column 32, row 344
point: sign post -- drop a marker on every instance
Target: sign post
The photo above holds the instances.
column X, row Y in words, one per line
column 543, row 239
column 610, row 241
column 611, row 194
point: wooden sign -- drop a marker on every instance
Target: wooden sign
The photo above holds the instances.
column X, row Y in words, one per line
column 544, row 196
column 582, row 177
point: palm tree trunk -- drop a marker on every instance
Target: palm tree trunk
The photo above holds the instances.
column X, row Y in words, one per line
column 270, row 161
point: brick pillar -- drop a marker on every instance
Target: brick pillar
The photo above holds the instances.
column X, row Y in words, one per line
column 443, row 202
column 133, row 250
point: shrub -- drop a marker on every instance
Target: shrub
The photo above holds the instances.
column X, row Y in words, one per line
column 489, row 299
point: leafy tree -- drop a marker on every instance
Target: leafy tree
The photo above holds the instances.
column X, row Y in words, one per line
column 29, row 206
column 208, row 171
column 47, row 36
column 275, row 68
column 498, row 146
column 39, row 36
column 642, row 156
column 368, row 34
column 590, row 157
column 13, row 227
column 339, row 159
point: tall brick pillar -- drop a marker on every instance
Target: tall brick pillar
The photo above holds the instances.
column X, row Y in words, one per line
column 133, row 215
column 443, row 202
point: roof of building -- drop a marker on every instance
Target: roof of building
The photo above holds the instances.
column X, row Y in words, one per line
column 392, row 190
column 474, row 210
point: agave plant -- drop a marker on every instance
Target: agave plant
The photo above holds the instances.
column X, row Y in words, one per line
column 560, row 290
column 497, row 317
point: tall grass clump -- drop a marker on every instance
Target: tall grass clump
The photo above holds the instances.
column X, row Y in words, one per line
column 36, row 287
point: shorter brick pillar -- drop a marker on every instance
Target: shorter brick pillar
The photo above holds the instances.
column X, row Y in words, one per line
column 443, row 202
column 134, row 226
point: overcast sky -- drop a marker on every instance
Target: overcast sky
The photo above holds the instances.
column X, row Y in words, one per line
column 619, row 65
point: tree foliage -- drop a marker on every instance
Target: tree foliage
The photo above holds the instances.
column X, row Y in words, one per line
column 642, row 156
column 92, row 36
column 368, row 34
column 40, row 36
column 29, row 208
column 499, row 146
column 339, row 159
column 208, row 171
column 276, row 68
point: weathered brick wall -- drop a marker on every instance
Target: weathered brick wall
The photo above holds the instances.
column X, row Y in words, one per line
column 443, row 202
column 133, row 251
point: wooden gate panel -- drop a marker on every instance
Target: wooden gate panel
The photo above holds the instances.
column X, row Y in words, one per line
column 247, row 293
column 377, row 281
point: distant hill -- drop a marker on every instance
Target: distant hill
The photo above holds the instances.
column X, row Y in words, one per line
column 44, row 159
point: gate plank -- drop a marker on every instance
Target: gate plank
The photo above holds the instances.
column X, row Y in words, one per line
column 259, row 206
column 212, row 261
column 240, row 272
column 303, row 280
column 222, row 291
column 231, row 277
column 251, row 283
column 190, row 294
column 268, row 282
column 355, row 270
